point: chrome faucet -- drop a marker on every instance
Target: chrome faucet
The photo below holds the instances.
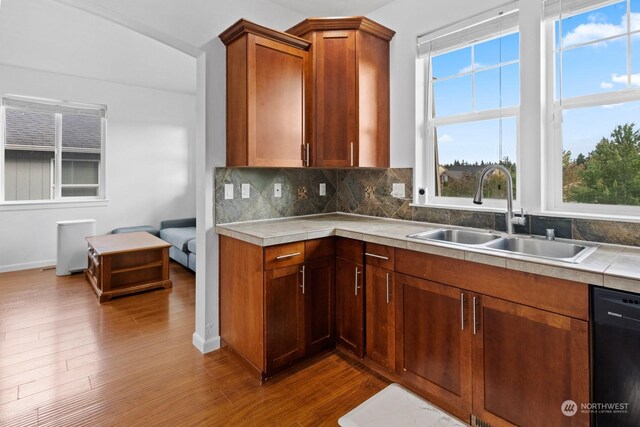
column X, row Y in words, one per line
column 477, row 198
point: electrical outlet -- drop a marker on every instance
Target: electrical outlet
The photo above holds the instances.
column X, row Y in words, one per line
column 323, row 189
column 277, row 190
column 246, row 191
column 228, row 191
column 398, row 190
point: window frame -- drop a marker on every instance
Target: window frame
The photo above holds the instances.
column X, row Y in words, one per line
column 58, row 108
column 424, row 173
column 554, row 115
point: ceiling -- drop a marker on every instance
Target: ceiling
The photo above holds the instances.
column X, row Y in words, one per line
column 188, row 24
column 316, row 8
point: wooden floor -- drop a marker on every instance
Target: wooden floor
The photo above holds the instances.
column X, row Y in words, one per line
column 67, row 360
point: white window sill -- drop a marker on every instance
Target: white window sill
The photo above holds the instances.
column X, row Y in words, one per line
column 583, row 215
column 25, row 205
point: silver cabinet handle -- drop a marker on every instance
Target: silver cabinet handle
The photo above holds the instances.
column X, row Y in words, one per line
column 462, row 311
column 352, row 154
column 356, row 281
column 475, row 321
column 303, row 272
column 307, row 156
column 387, row 288
column 288, row 255
column 377, row 256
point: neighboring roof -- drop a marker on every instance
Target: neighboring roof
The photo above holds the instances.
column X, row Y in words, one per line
column 460, row 171
column 38, row 129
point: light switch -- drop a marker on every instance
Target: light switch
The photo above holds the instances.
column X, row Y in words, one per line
column 398, row 190
column 246, row 191
column 228, row 191
column 323, row 189
column 277, row 190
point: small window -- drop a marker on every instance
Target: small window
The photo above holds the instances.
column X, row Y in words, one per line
column 42, row 136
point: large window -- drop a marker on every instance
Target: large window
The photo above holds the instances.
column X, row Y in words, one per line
column 51, row 150
column 472, row 86
column 594, row 65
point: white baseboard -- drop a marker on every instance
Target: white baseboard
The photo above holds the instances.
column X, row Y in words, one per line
column 27, row 265
column 205, row 346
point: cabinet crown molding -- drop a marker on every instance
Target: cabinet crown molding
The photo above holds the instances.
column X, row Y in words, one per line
column 243, row 26
column 346, row 23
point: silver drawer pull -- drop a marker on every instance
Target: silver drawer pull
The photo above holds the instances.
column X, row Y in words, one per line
column 377, row 256
column 288, row 255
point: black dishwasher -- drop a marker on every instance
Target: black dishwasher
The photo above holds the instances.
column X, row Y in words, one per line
column 616, row 358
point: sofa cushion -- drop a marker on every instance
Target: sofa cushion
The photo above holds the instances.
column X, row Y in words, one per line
column 178, row 237
column 191, row 245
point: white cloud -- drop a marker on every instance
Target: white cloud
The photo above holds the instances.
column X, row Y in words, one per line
column 622, row 79
column 611, row 106
column 467, row 69
column 596, row 29
column 606, row 85
column 445, row 138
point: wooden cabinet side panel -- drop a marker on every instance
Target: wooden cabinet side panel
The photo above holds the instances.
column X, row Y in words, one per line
column 237, row 102
column 373, row 100
column 547, row 293
column 241, row 299
column 527, row 362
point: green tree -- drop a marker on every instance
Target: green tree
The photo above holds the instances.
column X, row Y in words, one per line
column 611, row 173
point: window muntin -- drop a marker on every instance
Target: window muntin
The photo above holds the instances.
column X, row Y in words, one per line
column 39, row 136
column 472, row 116
column 596, row 143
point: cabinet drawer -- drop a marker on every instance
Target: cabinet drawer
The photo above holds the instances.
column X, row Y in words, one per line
column 319, row 248
column 350, row 250
column 283, row 255
column 379, row 255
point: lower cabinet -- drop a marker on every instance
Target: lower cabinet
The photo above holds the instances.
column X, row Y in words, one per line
column 499, row 362
column 277, row 303
column 527, row 362
column 380, row 296
column 492, row 346
column 350, row 295
column 284, row 316
column 434, row 338
column 319, row 304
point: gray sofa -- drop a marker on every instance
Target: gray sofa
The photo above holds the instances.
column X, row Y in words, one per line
column 181, row 233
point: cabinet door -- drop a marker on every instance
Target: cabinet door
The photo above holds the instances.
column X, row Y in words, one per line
column 527, row 362
column 433, row 341
column 349, row 305
column 319, row 280
column 380, row 316
column 336, row 99
column 284, row 316
column 275, row 103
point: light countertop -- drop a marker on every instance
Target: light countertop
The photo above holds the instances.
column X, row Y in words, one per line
column 612, row 266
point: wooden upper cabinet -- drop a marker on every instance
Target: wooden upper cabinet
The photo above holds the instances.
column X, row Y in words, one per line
column 350, row 105
column 267, row 74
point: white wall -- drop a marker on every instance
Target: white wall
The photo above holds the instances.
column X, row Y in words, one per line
column 211, row 153
column 411, row 18
column 149, row 92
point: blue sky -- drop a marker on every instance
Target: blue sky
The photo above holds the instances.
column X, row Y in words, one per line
column 596, row 68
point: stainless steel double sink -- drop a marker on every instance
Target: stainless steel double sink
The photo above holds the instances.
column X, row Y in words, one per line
column 530, row 246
